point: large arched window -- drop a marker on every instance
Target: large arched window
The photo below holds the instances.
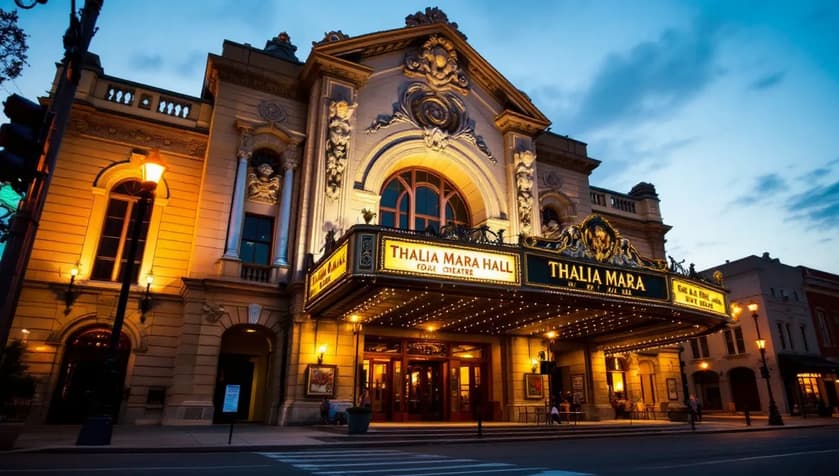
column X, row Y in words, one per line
column 117, row 229
column 417, row 199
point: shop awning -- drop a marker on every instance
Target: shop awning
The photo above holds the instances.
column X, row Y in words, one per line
column 807, row 363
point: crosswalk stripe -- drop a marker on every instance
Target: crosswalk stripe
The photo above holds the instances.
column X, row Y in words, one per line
column 396, row 462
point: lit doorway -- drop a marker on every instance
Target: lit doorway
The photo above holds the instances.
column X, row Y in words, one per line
column 80, row 379
column 244, row 360
column 425, row 390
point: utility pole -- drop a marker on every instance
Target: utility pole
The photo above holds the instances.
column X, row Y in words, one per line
column 24, row 224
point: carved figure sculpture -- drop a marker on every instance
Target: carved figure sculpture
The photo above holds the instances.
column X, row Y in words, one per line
column 263, row 184
column 523, row 161
column 337, row 145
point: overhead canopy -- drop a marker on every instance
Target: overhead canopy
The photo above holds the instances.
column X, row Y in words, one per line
column 590, row 286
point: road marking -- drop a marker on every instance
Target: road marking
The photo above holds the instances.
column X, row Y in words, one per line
column 735, row 460
column 395, row 462
column 135, row 468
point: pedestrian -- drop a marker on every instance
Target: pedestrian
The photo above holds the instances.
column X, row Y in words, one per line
column 555, row 415
column 324, row 411
column 365, row 399
column 693, row 407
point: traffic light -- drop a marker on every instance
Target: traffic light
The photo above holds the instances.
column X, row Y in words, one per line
column 22, row 140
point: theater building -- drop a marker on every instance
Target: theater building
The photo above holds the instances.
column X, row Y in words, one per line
column 390, row 214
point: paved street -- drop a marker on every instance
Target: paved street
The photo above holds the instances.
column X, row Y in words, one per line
column 764, row 453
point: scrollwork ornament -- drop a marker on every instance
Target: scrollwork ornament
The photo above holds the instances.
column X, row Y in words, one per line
column 438, row 63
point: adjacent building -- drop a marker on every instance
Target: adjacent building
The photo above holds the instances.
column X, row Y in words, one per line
column 390, row 214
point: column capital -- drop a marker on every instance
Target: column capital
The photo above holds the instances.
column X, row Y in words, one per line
column 291, row 157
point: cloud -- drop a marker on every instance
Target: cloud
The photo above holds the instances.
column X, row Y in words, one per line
column 765, row 188
column 147, row 62
column 643, row 158
column 768, row 81
column 192, row 65
column 652, row 79
column 818, row 205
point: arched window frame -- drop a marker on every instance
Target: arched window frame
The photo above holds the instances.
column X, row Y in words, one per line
column 445, row 190
column 101, row 188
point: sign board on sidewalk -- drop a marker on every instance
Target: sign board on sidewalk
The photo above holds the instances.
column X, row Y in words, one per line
column 231, row 399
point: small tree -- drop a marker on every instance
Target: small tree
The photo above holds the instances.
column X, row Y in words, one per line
column 13, row 46
column 16, row 385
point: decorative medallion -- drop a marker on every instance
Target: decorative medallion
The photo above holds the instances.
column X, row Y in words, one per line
column 272, row 112
column 523, row 161
column 441, row 115
column 438, row 64
column 595, row 239
column 337, row 145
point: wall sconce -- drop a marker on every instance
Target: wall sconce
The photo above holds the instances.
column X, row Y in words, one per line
column 704, row 365
column 25, row 335
column 145, row 303
column 533, row 365
column 69, row 295
column 321, row 351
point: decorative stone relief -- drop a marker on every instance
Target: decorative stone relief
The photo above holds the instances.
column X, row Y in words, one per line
column 272, row 112
column 331, row 37
column 213, row 312
column 145, row 137
column 431, row 15
column 263, row 184
column 437, row 62
column 441, row 116
column 523, row 162
column 337, row 145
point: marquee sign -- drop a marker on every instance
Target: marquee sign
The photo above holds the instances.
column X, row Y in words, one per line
column 449, row 262
column 699, row 297
column 328, row 272
column 559, row 273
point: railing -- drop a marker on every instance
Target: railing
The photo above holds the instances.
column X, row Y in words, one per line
column 614, row 201
column 145, row 101
column 255, row 272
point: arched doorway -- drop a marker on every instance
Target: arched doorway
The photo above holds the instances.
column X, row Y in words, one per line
column 744, row 389
column 244, row 360
column 80, row 379
column 707, row 388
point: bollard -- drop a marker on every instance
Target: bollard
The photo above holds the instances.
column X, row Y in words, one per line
column 748, row 417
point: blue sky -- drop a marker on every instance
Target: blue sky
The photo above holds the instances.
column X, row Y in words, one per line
column 731, row 108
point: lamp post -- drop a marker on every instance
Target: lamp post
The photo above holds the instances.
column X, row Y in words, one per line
column 356, row 330
column 97, row 430
column 774, row 414
column 550, row 339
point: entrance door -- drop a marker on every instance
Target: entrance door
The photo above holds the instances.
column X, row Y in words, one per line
column 425, row 390
column 233, row 369
column 80, row 380
column 381, row 390
column 464, row 389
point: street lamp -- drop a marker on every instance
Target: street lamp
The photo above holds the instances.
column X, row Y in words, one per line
column 550, row 340
column 774, row 414
column 97, row 429
column 356, row 330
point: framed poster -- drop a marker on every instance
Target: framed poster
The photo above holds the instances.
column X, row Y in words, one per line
column 534, row 386
column 320, row 380
column 578, row 388
column 672, row 389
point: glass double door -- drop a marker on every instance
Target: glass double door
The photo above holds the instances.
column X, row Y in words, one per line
column 427, row 390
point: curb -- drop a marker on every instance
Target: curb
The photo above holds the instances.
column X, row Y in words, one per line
column 386, row 443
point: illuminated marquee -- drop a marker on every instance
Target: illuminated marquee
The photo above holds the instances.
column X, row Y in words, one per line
column 699, row 297
column 415, row 258
column 554, row 272
column 328, row 272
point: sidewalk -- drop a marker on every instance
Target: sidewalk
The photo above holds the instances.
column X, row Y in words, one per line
column 251, row 437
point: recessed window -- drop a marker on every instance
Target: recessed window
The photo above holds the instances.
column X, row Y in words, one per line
column 419, row 199
column 257, row 236
column 117, row 228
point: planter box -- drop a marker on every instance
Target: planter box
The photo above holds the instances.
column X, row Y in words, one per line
column 358, row 420
column 9, row 432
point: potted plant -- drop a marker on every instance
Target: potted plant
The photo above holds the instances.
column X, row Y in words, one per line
column 358, row 419
column 16, row 390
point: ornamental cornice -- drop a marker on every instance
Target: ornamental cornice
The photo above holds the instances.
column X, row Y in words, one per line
column 147, row 137
column 255, row 80
column 322, row 64
column 511, row 121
